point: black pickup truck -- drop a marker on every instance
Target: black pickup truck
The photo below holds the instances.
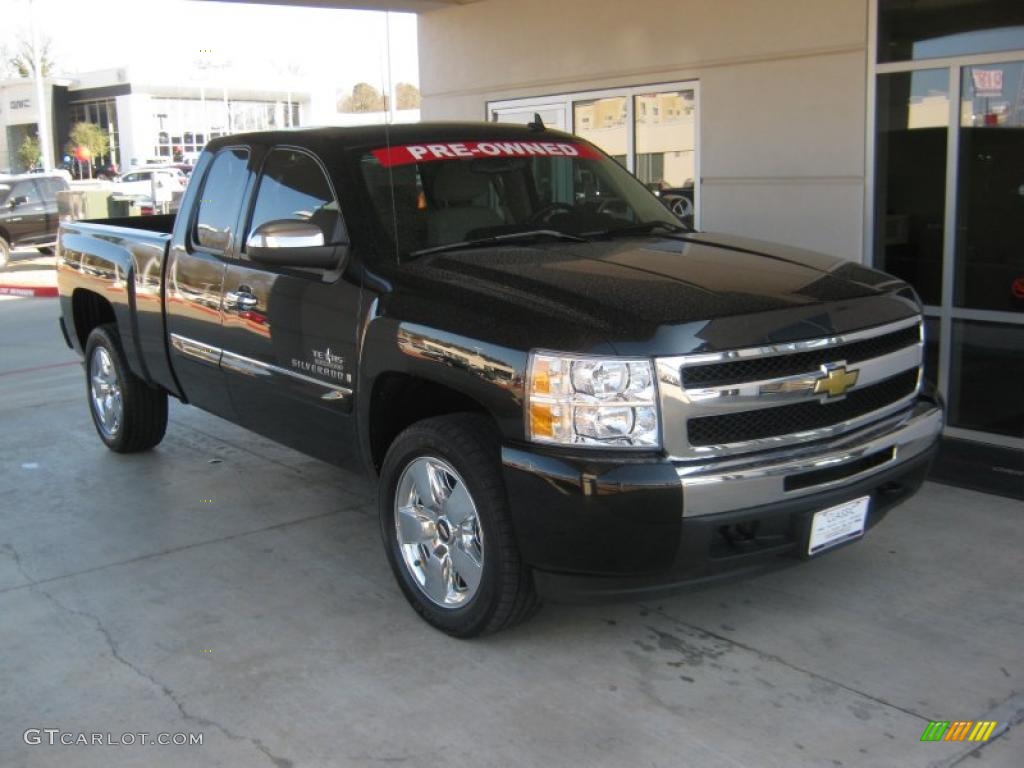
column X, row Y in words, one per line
column 558, row 387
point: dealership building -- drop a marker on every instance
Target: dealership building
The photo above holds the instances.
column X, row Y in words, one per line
column 886, row 131
column 146, row 117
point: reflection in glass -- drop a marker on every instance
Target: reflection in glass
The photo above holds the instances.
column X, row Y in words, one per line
column 931, row 350
column 988, row 368
column 990, row 189
column 294, row 187
column 666, row 147
column 928, row 29
column 218, row 206
column 603, row 121
column 910, row 177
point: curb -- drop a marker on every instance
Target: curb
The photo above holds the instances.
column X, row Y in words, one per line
column 29, row 291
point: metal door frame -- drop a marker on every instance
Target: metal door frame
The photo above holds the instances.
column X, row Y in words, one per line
column 946, row 312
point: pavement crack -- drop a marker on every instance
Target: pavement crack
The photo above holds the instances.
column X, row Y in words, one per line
column 18, row 565
column 166, row 690
column 772, row 658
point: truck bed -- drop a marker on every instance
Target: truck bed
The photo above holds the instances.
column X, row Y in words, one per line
column 161, row 223
column 119, row 263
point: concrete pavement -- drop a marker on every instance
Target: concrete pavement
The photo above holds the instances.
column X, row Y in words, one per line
column 227, row 586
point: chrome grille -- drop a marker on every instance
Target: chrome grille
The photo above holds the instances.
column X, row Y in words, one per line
column 732, row 372
column 799, row 417
column 764, row 397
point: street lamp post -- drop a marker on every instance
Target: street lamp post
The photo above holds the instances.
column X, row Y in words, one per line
column 45, row 142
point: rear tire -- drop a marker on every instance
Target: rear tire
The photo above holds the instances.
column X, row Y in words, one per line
column 465, row 539
column 5, row 253
column 129, row 415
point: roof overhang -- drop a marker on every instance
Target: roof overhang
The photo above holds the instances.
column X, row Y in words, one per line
column 408, row 6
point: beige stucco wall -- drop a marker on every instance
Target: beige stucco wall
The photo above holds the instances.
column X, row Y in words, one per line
column 782, row 113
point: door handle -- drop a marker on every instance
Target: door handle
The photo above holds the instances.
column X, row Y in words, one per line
column 240, row 300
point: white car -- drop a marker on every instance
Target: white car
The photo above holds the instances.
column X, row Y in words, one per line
column 139, row 183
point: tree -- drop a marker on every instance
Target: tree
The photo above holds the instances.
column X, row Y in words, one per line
column 91, row 138
column 22, row 63
column 364, row 98
column 407, row 96
column 29, row 152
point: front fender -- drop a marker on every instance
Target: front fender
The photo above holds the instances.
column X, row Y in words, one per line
column 489, row 374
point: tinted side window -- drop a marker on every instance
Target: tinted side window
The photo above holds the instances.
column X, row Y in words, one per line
column 221, row 196
column 28, row 190
column 51, row 187
column 294, row 187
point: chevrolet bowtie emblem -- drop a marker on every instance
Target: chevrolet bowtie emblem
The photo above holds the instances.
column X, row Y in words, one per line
column 835, row 381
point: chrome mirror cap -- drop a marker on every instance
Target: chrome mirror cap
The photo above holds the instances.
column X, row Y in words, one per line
column 286, row 233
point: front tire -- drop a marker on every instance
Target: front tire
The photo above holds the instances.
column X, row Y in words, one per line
column 447, row 529
column 5, row 253
column 129, row 415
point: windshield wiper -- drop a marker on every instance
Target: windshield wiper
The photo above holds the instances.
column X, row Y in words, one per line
column 642, row 228
column 482, row 242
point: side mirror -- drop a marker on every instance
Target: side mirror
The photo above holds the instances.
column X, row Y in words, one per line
column 292, row 243
column 16, row 201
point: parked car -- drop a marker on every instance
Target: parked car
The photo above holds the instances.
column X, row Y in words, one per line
column 139, row 183
column 679, row 200
column 555, row 389
column 28, row 212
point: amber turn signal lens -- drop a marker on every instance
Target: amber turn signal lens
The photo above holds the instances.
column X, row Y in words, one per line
column 541, row 420
column 540, row 380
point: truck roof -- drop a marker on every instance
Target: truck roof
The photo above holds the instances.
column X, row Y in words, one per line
column 379, row 135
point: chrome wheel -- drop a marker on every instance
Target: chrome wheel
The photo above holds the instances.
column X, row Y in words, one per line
column 439, row 532
column 106, row 392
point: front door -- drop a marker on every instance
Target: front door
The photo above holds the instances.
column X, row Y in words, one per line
column 290, row 334
column 25, row 218
column 195, row 280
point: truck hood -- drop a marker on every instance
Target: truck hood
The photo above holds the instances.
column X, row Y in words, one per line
column 653, row 295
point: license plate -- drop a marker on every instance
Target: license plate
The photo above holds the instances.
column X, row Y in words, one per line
column 837, row 524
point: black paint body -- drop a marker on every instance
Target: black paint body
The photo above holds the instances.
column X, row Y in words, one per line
column 464, row 323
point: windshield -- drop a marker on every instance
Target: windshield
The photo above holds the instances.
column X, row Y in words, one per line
column 433, row 195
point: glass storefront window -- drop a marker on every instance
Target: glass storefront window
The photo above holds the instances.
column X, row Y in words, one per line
column 603, row 122
column 666, row 147
column 910, row 177
column 928, row 29
column 104, row 114
column 651, row 130
column 990, row 189
column 987, row 374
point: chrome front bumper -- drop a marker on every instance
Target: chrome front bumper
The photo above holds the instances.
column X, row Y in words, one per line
column 743, row 482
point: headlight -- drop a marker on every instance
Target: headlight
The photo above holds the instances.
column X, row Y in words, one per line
column 591, row 401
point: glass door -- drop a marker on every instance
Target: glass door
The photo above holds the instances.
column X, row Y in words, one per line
column 947, row 202
column 653, row 131
column 666, row 148
column 986, row 381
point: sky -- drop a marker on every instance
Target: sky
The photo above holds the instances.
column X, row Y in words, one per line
column 333, row 47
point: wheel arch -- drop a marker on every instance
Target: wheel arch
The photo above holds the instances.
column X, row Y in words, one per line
column 399, row 399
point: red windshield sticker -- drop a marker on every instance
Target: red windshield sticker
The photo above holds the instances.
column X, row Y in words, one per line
column 456, row 150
